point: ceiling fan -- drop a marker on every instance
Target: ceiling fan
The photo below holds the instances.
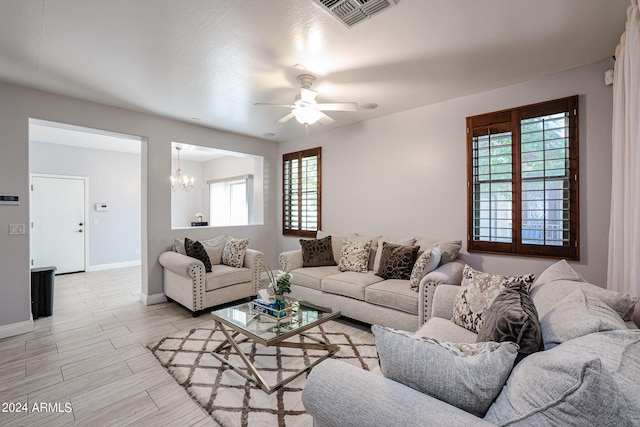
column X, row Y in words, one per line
column 306, row 110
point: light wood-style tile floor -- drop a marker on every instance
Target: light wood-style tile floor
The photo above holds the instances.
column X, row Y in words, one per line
column 87, row 365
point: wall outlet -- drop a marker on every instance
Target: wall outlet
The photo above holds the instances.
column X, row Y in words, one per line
column 16, row 228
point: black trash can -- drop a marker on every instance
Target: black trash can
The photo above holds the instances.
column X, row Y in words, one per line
column 42, row 291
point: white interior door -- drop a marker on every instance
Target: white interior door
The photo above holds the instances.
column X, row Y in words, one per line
column 58, row 224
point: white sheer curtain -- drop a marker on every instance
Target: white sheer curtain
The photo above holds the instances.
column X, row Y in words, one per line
column 624, row 231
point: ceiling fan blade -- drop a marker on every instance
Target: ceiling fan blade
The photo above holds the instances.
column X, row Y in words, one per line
column 266, row 104
column 308, row 95
column 324, row 119
column 337, row 106
column 286, row 118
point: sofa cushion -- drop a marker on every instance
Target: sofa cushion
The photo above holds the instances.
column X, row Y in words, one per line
column 214, row 248
column 477, row 292
column 560, row 280
column 349, row 283
column 426, row 263
column 393, row 293
column 223, row 275
column 591, row 380
column 382, row 240
column 317, row 252
column 445, row 330
column 194, row 249
column 468, row 376
column 448, row 248
column 233, row 252
column 513, row 317
column 397, row 261
column 354, row 256
column 311, row 277
column 578, row 314
column 178, row 246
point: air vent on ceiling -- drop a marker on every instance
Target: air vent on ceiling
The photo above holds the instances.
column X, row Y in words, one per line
column 350, row 12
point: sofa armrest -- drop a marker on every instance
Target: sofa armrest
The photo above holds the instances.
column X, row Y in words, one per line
column 333, row 396
column 290, row 260
column 182, row 264
column 254, row 260
column 443, row 298
column 449, row 273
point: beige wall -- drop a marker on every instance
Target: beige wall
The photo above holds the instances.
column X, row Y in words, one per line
column 18, row 104
column 405, row 174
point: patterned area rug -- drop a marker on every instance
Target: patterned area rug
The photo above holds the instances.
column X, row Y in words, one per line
column 231, row 399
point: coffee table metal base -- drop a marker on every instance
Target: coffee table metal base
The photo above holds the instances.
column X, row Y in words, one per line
column 254, row 375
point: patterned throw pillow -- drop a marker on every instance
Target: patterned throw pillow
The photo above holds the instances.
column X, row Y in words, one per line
column 233, row 252
column 427, row 262
column 397, row 261
column 513, row 317
column 354, row 256
column 468, row 376
column 195, row 250
column 317, row 252
column 477, row 292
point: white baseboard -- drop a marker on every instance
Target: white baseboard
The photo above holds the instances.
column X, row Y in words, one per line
column 100, row 267
column 152, row 299
column 16, row 329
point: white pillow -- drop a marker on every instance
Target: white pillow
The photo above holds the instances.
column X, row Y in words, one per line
column 354, row 256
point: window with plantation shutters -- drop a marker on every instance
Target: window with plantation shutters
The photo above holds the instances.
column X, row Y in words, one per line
column 523, row 180
column 301, row 183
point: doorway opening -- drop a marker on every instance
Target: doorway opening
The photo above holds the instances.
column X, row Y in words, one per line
column 108, row 224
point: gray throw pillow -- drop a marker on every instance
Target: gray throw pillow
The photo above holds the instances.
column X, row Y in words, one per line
column 578, row 314
column 317, row 252
column 588, row 381
column 195, row 250
column 396, row 261
column 468, row 376
column 513, row 317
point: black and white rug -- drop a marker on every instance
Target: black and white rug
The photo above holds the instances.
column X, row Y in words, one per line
column 231, row 399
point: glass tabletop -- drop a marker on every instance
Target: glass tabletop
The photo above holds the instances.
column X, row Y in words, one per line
column 248, row 320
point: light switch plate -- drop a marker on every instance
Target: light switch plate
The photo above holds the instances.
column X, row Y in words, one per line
column 16, row 228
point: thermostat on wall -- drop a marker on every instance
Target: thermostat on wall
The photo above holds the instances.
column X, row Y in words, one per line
column 9, row 200
column 102, row 207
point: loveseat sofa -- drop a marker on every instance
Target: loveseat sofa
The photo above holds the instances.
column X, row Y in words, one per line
column 365, row 296
column 586, row 376
column 187, row 281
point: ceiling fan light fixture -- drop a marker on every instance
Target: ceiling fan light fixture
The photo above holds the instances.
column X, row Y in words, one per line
column 306, row 115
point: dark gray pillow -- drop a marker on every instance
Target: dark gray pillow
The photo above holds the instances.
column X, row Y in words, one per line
column 513, row 317
column 397, row 261
column 195, row 250
column 317, row 252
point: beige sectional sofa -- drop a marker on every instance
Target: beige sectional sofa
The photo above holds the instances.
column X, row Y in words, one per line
column 586, row 375
column 366, row 297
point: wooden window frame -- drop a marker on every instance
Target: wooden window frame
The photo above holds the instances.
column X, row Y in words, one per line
column 298, row 156
column 514, row 117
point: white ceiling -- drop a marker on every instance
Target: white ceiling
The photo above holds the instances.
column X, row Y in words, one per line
column 209, row 61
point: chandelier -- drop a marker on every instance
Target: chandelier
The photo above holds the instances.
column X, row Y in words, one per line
column 179, row 180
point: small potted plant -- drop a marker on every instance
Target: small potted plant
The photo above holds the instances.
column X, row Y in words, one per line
column 280, row 285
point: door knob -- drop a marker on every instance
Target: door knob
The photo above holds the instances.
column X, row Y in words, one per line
column 80, row 231
column 80, row 224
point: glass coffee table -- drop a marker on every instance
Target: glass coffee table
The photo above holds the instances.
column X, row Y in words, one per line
column 271, row 328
